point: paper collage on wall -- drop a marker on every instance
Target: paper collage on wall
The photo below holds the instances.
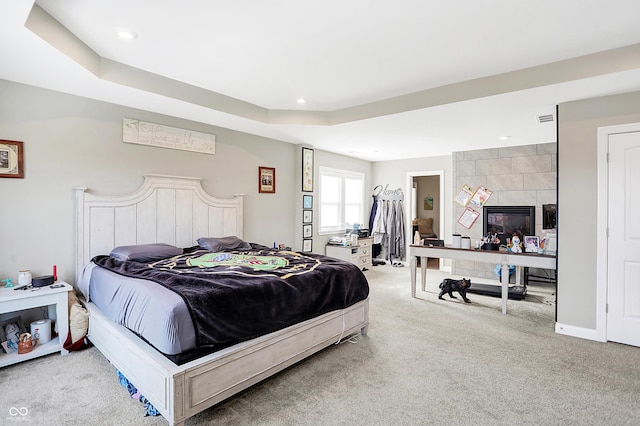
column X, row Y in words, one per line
column 468, row 197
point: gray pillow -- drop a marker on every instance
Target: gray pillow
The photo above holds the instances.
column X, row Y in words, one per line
column 145, row 252
column 224, row 243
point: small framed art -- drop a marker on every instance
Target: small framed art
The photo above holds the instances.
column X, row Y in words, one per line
column 307, row 216
column 266, row 179
column 307, row 169
column 531, row 244
column 307, row 231
column 307, row 245
column 11, row 159
column 307, row 201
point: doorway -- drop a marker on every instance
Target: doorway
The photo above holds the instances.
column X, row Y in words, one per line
column 426, row 201
column 618, row 288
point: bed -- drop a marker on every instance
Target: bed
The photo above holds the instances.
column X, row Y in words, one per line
column 177, row 211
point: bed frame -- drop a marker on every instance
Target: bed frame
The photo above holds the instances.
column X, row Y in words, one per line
column 176, row 210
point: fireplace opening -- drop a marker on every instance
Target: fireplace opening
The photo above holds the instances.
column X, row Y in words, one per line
column 506, row 221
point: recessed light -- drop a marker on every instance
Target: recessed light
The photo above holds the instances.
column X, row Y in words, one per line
column 301, row 101
column 125, row 33
column 504, row 138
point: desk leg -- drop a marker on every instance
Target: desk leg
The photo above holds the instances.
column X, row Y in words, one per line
column 504, row 279
column 413, row 266
column 518, row 275
column 423, row 272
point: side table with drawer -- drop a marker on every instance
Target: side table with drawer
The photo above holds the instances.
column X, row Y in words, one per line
column 358, row 254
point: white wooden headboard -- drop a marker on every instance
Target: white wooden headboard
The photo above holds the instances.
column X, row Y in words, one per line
column 166, row 209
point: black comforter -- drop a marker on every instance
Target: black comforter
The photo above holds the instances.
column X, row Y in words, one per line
column 238, row 295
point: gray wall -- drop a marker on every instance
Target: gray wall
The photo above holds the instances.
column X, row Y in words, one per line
column 71, row 141
column 577, row 194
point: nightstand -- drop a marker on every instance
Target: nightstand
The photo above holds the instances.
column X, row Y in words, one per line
column 359, row 254
column 57, row 299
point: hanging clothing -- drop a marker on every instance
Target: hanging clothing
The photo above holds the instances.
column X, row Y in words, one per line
column 399, row 224
column 379, row 228
column 372, row 216
column 390, row 240
column 376, row 208
column 386, row 224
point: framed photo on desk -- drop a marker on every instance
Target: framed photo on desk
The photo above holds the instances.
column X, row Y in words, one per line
column 531, row 244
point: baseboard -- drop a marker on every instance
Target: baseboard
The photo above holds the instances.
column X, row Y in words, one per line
column 580, row 332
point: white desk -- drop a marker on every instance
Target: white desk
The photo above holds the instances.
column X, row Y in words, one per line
column 488, row 256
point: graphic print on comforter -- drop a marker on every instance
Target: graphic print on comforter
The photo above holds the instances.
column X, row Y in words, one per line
column 238, row 295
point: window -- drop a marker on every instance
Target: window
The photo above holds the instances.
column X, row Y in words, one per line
column 341, row 199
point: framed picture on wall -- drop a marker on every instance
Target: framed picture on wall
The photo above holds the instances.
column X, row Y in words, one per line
column 307, row 231
column 307, row 216
column 307, row 245
column 307, row 169
column 307, row 201
column 11, row 159
column 266, row 179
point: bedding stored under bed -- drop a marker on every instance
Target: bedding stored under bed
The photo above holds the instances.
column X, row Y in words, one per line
column 226, row 297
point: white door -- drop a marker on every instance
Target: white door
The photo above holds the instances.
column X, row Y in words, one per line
column 623, row 288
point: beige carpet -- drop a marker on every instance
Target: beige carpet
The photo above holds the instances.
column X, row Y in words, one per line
column 424, row 362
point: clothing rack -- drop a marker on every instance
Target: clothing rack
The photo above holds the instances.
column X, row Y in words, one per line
column 386, row 223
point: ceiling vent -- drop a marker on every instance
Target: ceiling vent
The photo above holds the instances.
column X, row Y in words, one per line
column 545, row 118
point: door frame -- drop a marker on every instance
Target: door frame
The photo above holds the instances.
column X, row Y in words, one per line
column 602, row 249
column 408, row 218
